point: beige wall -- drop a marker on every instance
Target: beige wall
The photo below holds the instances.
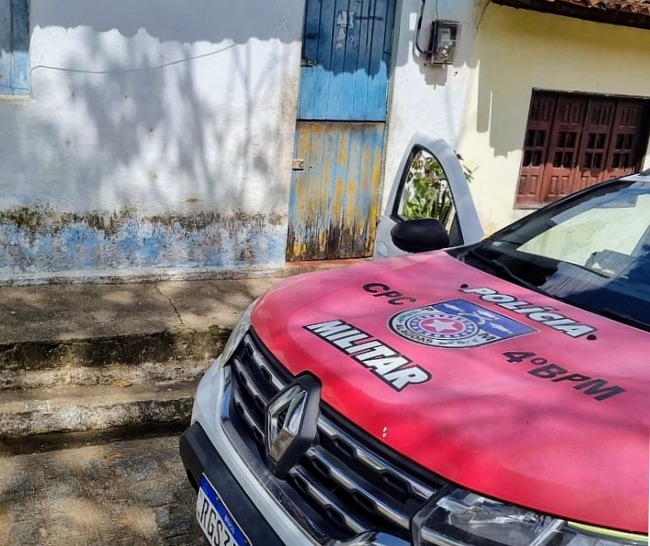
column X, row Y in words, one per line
column 516, row 51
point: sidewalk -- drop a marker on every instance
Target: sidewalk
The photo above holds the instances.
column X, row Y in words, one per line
column 87, row 357
column 53, row 313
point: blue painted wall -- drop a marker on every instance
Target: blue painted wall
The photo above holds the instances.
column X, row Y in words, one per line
column 39, row 243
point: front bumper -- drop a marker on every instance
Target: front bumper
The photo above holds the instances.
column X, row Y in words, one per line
column 247, row 488
column 200, row 457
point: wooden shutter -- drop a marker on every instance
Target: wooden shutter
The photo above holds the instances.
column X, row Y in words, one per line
column 538, row 133
column 629, row 140
column 574, row 141
column 595, row 142
column 563, row 150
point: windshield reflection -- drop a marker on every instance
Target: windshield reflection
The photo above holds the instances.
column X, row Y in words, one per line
column 592, row 250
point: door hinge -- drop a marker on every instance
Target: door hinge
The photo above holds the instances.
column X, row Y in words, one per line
column 298, row 165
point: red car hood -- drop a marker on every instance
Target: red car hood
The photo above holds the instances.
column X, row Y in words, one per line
column 463, row 373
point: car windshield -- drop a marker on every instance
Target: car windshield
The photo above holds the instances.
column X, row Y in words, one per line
column 592, row 250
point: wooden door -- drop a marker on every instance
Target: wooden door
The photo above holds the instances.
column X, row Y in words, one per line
column 335, row 191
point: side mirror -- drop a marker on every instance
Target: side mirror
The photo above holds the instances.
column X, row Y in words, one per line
column 420, row 235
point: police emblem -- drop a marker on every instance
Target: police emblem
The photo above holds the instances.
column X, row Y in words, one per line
column 456, row 323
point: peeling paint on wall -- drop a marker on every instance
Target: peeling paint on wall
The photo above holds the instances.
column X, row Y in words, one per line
column 156, row 140
column 41, row 241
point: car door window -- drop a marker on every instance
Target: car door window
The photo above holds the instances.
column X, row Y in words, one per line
column 426, row 193
column 430, row 182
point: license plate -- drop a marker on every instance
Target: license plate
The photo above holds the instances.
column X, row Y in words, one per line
column 217, row 523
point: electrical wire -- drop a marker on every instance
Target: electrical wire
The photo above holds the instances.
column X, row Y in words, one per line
column 422, row 52
column 130, row 70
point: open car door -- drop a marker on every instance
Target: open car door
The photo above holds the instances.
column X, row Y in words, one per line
column 430, row 205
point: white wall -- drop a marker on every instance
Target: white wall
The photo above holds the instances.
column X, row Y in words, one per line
column 426, row 98
column 146, row 110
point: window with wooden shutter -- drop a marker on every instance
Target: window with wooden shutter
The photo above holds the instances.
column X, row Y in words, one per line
column 14, row 47
column 573, row 141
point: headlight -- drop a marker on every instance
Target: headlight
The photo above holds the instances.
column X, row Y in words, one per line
column 237, row 335
column 463, row 518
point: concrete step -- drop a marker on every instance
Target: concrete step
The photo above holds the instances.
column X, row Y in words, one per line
column 170, row 345
column 25, row 413
column 122, row 375
column 115, row 384
column 48, row 391
column 107, row 359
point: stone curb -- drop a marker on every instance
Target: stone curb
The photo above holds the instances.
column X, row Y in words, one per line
column 97, row 407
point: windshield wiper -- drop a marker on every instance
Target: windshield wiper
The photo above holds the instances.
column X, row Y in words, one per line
column 622, row 317
column 585, row 268
column 503, row 269
column 609, row 313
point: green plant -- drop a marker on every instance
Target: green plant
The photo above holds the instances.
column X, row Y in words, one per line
column 427, row 191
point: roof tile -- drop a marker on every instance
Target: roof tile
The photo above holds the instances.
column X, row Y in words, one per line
column 630, row 6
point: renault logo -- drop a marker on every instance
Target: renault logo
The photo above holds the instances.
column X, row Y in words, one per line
column 291, row 421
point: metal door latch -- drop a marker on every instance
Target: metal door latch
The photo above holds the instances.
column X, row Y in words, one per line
column 298, row 164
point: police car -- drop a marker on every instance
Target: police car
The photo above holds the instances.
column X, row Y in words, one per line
column 490, row 392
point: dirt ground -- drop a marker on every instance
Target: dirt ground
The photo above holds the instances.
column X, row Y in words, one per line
column 128, row 492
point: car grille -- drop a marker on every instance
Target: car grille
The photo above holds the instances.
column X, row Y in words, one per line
column 356, row 483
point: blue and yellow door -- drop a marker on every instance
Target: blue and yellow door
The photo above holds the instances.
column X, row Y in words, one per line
column 335, row 190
